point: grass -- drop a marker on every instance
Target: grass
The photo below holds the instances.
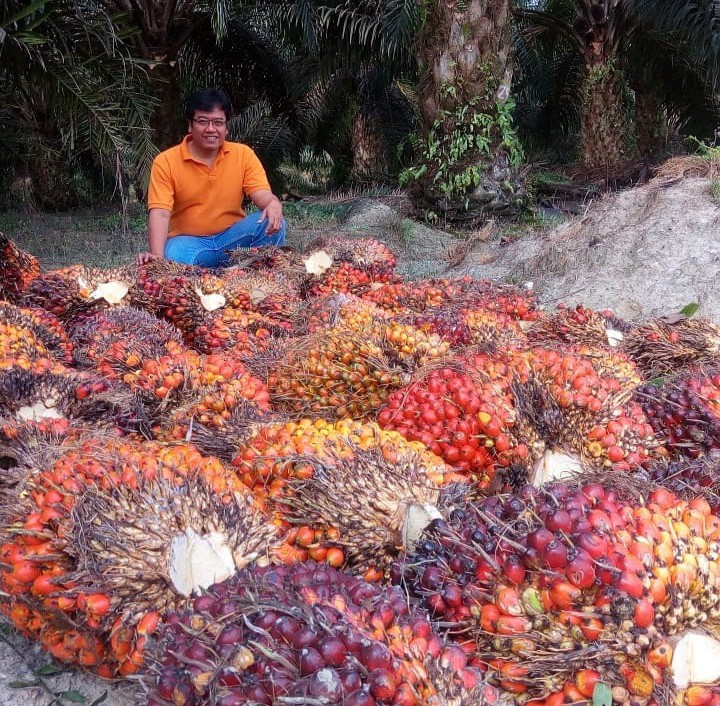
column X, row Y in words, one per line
column 99, row 238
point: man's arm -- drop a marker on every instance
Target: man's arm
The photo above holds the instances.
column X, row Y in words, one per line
column 271, row 209
column 158, row 228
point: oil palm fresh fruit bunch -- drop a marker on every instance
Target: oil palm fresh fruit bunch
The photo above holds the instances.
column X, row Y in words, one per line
column 117, row 341
column 330, row 310
column 114, row 534
column 465, row 413
column 689, row 478
column 17, row 269
column 341, row 372
column 342, row 265
column 308, row 634
column 685, row 411
column 54, row 402
column 551, row 582
column 45, row 328
column 275, row 458
column 578, row 325
column 663, row 348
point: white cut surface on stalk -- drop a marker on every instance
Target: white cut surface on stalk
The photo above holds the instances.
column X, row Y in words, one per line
column 696, row 660
column 417, row 517
column 43, row 409
column 614, row 337
column 555, row 465
column 197, row 562
column 210, row 302
column 112, row 292
column 257, row 295
column 318, row 262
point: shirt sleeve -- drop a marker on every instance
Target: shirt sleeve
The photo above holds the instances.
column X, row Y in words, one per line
column 254, row 177
column 161, row 190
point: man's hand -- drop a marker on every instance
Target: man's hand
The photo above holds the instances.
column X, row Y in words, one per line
column 272, row 213
column 144, row 257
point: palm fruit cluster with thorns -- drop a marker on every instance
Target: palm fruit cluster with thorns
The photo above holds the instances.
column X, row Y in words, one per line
column 388, row 476
column 308, row 635
column 114, row 534
column 53, row 403
column 117, row 341
column 466, row 418
column 579, row 326
column 561, row 587
column 663, row 348
column 689, row 478
column 348, row 266
column 685, row 411
column 17, row 269
column 44, row 327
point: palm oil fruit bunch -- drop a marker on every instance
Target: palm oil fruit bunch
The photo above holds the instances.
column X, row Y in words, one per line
column 64, row 292
column 347, row 266
column 217, row 387
column 374, row 508
column 661, row 348
column 307, row 634
column 465, row 414
column 119, row 340
column 237, row 330
column 17, row 269
column 337, row 373
column 330, row 310
column 267, row 293
column 557, row 579
column 685, row 412
column 398, row 297
column 115, row 533
column 53, row 402
column 45, row 328
column 578, row 325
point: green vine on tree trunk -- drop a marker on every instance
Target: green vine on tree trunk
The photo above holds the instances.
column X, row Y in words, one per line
column 456, row 159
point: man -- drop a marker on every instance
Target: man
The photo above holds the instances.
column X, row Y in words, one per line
column 197, row 189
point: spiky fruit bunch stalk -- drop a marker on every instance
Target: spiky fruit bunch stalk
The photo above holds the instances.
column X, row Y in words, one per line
column 685, row 411
column 660, row 348
column 578, row 325
column 17, row 269
column 45, row 328
column 310, row 635
column 119, row 340
column 113, row 535
column 556, row 579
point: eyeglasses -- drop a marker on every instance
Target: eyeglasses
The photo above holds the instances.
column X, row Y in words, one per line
column 204, row 122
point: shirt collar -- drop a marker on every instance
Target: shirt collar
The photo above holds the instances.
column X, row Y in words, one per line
column 185, row 148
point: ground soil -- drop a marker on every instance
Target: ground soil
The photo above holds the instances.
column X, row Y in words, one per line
column 644, row 252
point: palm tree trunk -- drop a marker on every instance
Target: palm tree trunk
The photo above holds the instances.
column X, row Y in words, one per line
column 464, row 53
column 604, row 125
column 368, row 149
column 650, row 124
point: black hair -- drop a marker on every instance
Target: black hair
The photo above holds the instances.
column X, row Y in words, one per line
column 207, row 99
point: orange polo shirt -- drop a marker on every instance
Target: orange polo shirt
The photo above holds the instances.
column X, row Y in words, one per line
column 204, row 200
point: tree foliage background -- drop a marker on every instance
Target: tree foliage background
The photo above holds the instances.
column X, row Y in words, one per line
column 335, row 93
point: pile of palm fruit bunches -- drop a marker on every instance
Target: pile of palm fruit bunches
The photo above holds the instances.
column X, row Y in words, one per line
column 306, row 480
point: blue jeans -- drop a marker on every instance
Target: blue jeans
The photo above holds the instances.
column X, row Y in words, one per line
column 212, row 250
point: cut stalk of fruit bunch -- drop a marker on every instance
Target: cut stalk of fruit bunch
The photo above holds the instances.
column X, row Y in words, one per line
column 113, row 535
column 308, row 634
column 559, row 579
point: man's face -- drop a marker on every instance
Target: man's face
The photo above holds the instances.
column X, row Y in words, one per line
column 208, row 128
